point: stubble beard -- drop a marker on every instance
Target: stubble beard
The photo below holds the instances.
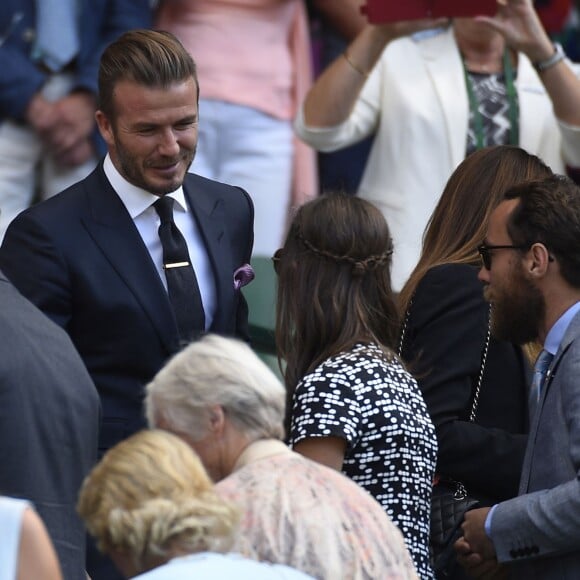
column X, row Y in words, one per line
column 135, row 174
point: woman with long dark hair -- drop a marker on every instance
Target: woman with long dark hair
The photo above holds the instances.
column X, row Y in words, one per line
column 446, row 341
column 354, row 407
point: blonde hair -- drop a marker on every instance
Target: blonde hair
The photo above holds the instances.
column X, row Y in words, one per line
column 217, row 371
column 151, row 499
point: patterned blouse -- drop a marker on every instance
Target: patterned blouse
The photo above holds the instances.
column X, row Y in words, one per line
column 308, row 516
column 377, row 407
column 491, row 93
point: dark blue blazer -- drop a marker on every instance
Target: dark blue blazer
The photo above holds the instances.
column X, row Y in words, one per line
column 101, row 22
column 79, row 257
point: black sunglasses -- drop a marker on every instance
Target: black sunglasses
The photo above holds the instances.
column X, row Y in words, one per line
column 276, row 260
column 485, row 252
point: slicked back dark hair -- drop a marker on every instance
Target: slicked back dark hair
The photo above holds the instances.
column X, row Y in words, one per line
column 151, row 58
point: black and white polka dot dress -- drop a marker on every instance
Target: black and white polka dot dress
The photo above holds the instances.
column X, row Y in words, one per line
column 377, row 407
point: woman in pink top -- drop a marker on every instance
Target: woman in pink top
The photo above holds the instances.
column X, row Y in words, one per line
column 254, row 67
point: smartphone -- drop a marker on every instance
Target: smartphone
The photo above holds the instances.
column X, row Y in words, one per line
column 383, row 11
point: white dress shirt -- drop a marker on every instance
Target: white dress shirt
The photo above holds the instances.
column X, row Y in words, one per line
column 139, row 204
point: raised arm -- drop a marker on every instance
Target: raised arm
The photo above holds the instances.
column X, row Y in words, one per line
column 334, row 94
column 519, row 23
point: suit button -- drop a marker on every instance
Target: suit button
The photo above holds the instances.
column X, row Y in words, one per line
column 29, row 35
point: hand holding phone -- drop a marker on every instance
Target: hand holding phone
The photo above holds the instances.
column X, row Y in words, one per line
column 384, row 11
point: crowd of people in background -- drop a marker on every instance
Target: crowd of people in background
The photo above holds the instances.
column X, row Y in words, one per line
column 415, row 185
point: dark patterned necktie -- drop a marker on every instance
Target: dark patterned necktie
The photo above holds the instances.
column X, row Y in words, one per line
column 182, row 286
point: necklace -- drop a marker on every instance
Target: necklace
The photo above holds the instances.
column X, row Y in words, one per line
column 512, row 97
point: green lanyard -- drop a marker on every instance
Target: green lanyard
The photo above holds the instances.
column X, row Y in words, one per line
column 514, row 113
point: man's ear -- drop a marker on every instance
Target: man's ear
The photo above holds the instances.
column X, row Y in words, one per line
column 105, row 128
column 538, row 260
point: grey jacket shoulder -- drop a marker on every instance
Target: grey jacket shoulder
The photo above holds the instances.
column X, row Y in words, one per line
column 539, row 530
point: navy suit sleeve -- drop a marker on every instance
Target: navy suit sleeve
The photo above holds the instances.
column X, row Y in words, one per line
column 20, row 78
column 34, row 265
column 444, row 343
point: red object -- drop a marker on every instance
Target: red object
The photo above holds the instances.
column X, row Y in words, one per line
column 382, row 11
column 554, row 14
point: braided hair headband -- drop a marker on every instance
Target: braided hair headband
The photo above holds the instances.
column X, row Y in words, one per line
column 359, row 267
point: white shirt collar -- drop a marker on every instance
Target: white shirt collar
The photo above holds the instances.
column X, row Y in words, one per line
column 136, row 199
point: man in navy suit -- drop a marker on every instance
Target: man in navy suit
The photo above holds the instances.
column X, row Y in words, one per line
column 91, row 257
column 48, row 136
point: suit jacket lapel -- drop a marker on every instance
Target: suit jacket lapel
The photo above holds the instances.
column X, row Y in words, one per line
column 530, row 99
column 113, row 230
column 209, row 214
column 571, row 334
column 445, row 69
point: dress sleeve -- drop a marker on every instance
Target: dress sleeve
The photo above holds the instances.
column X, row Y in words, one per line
column 325, row 405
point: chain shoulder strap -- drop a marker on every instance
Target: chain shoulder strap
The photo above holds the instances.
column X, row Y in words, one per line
column 475, row 404
column 484, row 353
column 404, row 330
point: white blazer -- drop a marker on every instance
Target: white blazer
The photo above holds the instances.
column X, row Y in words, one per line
column 416, row 104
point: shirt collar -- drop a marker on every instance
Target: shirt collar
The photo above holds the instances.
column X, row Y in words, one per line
column 558, row 330
column 136, row 199
column 260, row 450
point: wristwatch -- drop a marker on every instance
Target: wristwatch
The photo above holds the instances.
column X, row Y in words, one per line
column 558, row 55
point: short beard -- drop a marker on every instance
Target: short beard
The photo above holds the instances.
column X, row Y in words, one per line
column 518, row 313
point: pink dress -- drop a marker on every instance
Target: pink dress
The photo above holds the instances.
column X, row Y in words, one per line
column 312, row 518
column 254, row 53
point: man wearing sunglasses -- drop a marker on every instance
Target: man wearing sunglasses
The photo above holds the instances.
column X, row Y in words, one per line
column 531, row 272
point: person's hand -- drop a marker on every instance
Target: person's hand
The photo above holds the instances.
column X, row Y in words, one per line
column 76, row 121
column 520, row 25
column 41, row 116
column 475, row 565
column 474, row 535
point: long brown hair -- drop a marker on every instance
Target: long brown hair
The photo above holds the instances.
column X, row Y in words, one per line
column 459, row 222
column 334, row 285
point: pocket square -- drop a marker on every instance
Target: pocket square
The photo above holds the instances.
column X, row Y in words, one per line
column 243, row 275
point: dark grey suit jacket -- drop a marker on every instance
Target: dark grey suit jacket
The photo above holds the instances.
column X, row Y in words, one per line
column 539, row 532
column 49, row 414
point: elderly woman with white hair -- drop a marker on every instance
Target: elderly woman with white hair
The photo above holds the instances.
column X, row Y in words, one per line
column 222, row 400
column 153, row 509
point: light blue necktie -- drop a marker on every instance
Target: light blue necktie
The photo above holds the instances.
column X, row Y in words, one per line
column 57, row 35
column 540, row 369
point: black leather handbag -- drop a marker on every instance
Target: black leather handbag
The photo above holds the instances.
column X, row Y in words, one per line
column 449, row 502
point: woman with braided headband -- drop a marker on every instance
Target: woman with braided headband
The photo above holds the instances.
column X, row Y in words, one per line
column 352, row 405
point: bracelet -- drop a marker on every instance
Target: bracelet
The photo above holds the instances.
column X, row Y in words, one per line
column 553, row 60
column 359, row 70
